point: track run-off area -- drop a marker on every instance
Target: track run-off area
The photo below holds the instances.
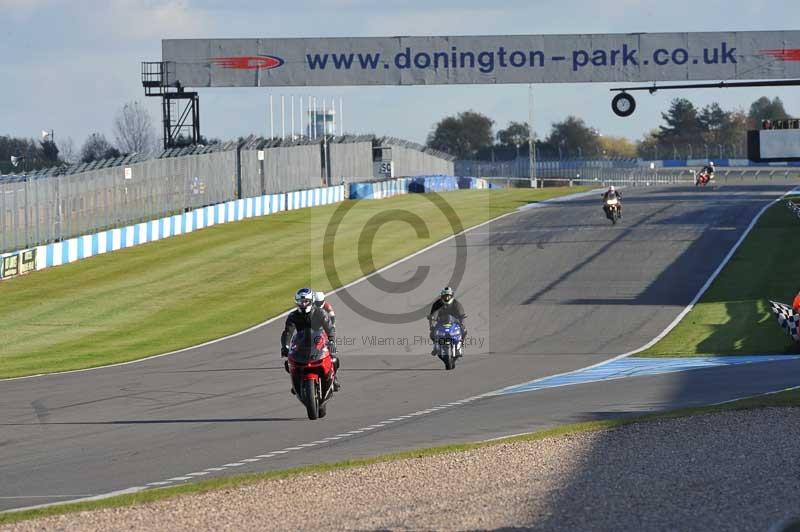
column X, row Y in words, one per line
column 548, row 291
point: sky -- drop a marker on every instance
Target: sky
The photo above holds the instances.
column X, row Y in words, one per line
column 70, row 66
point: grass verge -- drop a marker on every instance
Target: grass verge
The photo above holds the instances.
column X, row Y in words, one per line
column 789, row 398
column 733, row 317
column 190, row 289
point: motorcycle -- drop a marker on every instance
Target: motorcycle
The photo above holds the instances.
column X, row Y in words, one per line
column 703, row 178
column 312, row 368
column 447, row 336
column 612, row 209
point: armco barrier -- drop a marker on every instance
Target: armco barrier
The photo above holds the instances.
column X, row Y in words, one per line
column 86, row 246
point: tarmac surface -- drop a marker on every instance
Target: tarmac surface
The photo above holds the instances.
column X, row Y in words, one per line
column 547, row 290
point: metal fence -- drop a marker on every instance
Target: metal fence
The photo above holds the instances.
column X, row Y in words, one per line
column 60, row 203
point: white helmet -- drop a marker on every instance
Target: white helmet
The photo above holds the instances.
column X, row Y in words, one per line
column 711, row 163
column 304, row 299
column 612, row 189
column 319, row 298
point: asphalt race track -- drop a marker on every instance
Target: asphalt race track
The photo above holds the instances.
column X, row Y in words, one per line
column 547, row 290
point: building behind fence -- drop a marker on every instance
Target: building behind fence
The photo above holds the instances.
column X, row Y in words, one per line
column 59, row 203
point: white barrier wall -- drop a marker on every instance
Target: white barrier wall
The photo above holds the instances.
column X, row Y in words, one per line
column 58, row 253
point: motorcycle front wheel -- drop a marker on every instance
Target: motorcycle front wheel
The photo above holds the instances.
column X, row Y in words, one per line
column 450, row 361
column 311, row 399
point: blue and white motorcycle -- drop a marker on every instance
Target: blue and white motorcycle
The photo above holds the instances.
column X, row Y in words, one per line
column 448, row 339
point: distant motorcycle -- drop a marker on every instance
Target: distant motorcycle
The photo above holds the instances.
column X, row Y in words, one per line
column 312, row 369
column 612, row 209
column 447, row 336
column 703, row 177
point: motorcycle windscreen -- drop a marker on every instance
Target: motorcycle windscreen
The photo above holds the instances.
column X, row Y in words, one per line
column 309, row 345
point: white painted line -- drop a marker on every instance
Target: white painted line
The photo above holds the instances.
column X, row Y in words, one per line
column 162, row 483
column 176, row 479
column 283, row 315
column 214, row 469
column 318, row 442
column 359, row 431
column 757, row 395
column 368, row 428
column 312, row 444
column 292, row 448
column 279, row 452
column 234, row 464
column 198, row 474
column 10, row 497
column 270, row 455
column 334, row 438
column 249, row 460
column 343, row 435
column 127, row 491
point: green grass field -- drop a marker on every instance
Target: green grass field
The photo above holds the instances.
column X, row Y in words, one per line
column 185, row 290
column 733, row 317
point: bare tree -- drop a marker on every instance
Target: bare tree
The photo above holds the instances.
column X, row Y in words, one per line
column 133, row 129
column 67, row 150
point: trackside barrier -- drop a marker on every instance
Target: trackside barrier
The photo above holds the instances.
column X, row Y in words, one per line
column 86, row 246
column 405, row 185
column 379, row 189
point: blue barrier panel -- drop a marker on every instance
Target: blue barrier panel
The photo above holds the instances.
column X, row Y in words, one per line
column 361, row 190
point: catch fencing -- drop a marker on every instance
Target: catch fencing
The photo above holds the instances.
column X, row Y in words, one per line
column 61, row 203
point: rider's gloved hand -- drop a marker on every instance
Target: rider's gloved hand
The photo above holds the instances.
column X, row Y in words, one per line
column 284, row 351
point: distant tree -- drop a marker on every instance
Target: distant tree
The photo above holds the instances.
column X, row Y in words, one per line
column 133, row 129
column 574, row 138
column 462, row 135
column 765, row 109
column 97, row 147
column 619, row 147
column 67, row 150
column 647, row 147
column 682, row 123
column 516, row 134
column 49, row 151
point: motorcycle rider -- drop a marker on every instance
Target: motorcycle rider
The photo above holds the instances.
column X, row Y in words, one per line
column 709, row 170
column 309, row 316
column 446, row 305
column 612, row 193
column 319, row 301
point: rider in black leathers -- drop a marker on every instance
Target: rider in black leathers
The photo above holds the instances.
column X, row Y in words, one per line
column 446, row 305
column 309, row 316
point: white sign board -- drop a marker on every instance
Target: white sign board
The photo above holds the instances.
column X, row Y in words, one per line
column 630, row 57
column 128, row 172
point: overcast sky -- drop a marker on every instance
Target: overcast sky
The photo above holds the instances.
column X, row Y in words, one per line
column 71, row 65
